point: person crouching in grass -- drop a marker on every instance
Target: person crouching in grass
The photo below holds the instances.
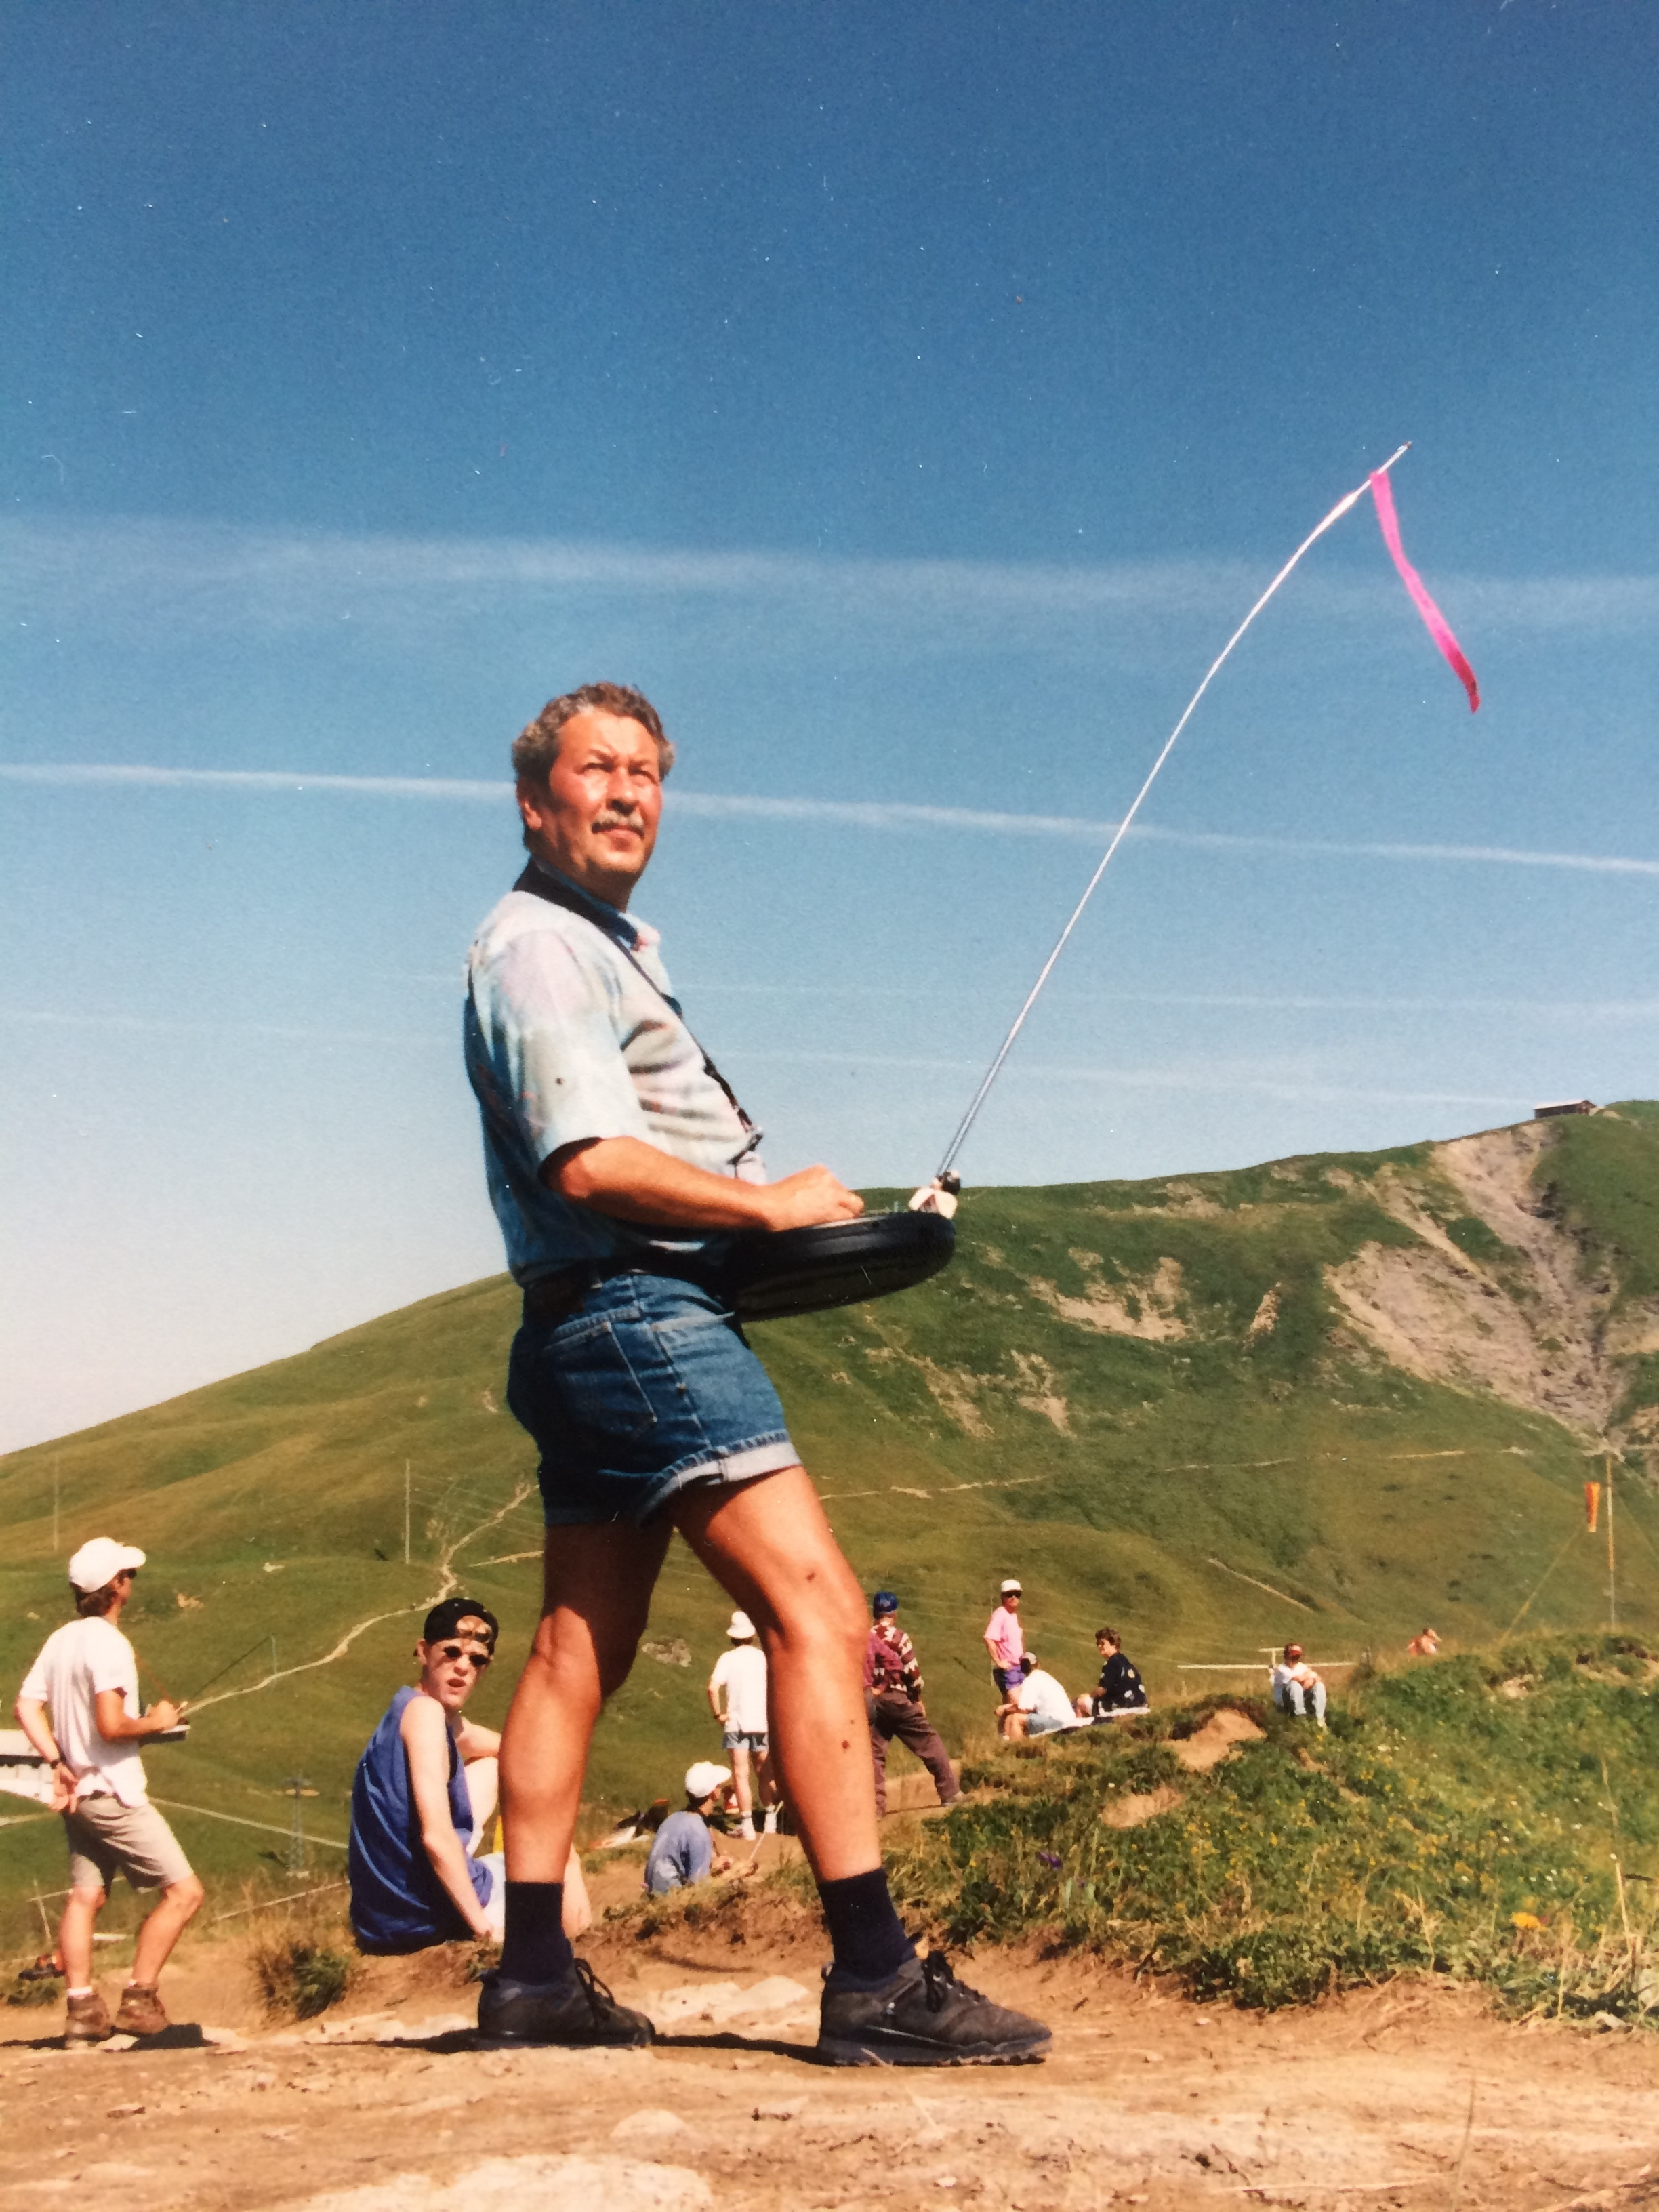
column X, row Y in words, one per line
column 79, row 1709
column 684, row 1850
column 424, row 1794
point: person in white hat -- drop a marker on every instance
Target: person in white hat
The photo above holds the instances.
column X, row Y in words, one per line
column 684, row 1850
column 739, row 1679
column 1005, row 1639
column 79, row 1708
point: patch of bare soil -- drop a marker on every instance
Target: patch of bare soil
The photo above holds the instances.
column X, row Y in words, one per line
column 1534, row 1331
column 1411, row 2096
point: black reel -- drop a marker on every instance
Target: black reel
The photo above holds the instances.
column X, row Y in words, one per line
column 799, row 1271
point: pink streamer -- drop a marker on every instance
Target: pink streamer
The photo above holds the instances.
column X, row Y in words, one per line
column 1438, row 627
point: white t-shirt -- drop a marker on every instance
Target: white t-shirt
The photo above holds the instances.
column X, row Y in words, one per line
column 1040, row 1693
column 742, row 1672
column 75, row 1662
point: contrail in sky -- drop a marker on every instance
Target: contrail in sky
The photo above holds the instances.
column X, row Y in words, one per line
column 876, row 815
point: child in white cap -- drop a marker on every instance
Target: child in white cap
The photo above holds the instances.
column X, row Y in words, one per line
column 683, row 1851
column 79, row 1708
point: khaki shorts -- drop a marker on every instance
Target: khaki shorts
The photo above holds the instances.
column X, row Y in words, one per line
column 106, row 1837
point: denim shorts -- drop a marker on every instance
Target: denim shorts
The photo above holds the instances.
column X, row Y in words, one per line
column 647, row 1388
column 755, row 1740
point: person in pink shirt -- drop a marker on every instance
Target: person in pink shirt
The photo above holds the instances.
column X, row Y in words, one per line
column 1005, row 1639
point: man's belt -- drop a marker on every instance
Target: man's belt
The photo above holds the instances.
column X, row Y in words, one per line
column 553, row 1298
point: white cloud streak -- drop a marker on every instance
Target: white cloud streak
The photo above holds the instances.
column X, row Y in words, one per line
column 200, row 573
column 876, row 816
column 1264, row 1084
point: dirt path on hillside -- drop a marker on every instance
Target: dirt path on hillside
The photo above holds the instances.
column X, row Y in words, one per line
column 448, row 1583
column 1409, row 2096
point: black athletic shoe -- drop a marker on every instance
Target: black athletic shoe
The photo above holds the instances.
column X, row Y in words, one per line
column 924, row 2017
column 582, row 2010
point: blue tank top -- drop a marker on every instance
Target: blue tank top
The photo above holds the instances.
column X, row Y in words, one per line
column 397, row 1902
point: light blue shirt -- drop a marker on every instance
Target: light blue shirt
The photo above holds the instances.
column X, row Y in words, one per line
column 567, row 1039
column 682, row 1853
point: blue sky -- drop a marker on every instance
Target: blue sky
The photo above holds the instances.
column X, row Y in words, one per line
column 910, row 400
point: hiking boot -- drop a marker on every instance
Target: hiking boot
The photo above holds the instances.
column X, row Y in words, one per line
column 580, row 2010
column 87, row 2021
column 141, row 2012
column 923, row 2016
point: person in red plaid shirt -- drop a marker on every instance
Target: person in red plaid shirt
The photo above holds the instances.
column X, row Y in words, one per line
column 892, row 1689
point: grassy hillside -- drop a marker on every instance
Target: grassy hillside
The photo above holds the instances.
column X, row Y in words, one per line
column 1495, row 1818
column 1329, row 1397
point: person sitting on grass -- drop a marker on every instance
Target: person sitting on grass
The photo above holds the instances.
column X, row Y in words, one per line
column 684, row 1850
column 422, row 1797
column 1037, row 1706
column 1424, row 1644
column 1120, row 1689
column 79, row 1709
column 1297, row 1688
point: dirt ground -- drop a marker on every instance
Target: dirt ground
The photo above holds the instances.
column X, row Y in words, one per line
column 1412, row 2096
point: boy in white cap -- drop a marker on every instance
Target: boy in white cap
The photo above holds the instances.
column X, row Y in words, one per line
column 683, row 1851
column 740, row 1674
column 79, row 1708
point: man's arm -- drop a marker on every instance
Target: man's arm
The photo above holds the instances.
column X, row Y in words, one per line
column 632, row 1181
column 425, row 1737
column 116, row 1725
column 716, row 1684
column 31, row 1714
column 475, row 1742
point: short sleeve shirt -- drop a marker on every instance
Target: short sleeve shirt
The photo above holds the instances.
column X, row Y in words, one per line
column 1006, row 1637
column 741, row 1672
column 1041, row 1694
column 75, row 1662
column 572, row 1034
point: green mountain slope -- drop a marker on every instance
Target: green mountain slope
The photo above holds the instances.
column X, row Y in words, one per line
column 1331, row 1396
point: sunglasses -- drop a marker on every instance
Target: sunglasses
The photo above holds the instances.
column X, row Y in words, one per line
column 479, row 1660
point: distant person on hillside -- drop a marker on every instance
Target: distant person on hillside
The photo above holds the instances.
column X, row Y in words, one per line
column 1120, row 1689
column 79, row 1709
column 684, row 1850
column 1296, row 1686
column 1038, row 1706
column 1424, row 1644
column 737, row 1699
column 424, row 1794
column 892, row 1683
column 1005, row 1639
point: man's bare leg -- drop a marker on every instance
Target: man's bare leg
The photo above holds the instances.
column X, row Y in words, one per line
column 75, row 1935
column 740, row 1785
column 180, row 1901
column 596, row 1586
column 769, row 1545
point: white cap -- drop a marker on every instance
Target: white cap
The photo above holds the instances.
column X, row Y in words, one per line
column 1011, row 1588
column 98, row 1562
column 704, row 1779
column 741, row 1628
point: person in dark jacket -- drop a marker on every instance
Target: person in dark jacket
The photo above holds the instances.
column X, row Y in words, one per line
column 892, row 1689
column 1120, row 1689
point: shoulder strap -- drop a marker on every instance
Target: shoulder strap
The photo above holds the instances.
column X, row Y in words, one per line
column 540, row 884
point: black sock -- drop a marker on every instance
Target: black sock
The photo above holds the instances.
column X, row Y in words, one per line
column 535, row 1947
column 865, row 1934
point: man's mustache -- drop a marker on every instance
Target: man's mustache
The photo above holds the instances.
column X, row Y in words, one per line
column 617, row 817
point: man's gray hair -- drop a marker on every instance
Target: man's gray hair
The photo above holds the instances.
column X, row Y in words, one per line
column 536, row 746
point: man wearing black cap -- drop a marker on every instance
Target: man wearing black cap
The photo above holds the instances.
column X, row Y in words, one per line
column 424, row 1793
column 892, row 1684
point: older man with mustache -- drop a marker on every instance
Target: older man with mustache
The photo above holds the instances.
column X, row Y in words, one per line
column 620, row 1166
